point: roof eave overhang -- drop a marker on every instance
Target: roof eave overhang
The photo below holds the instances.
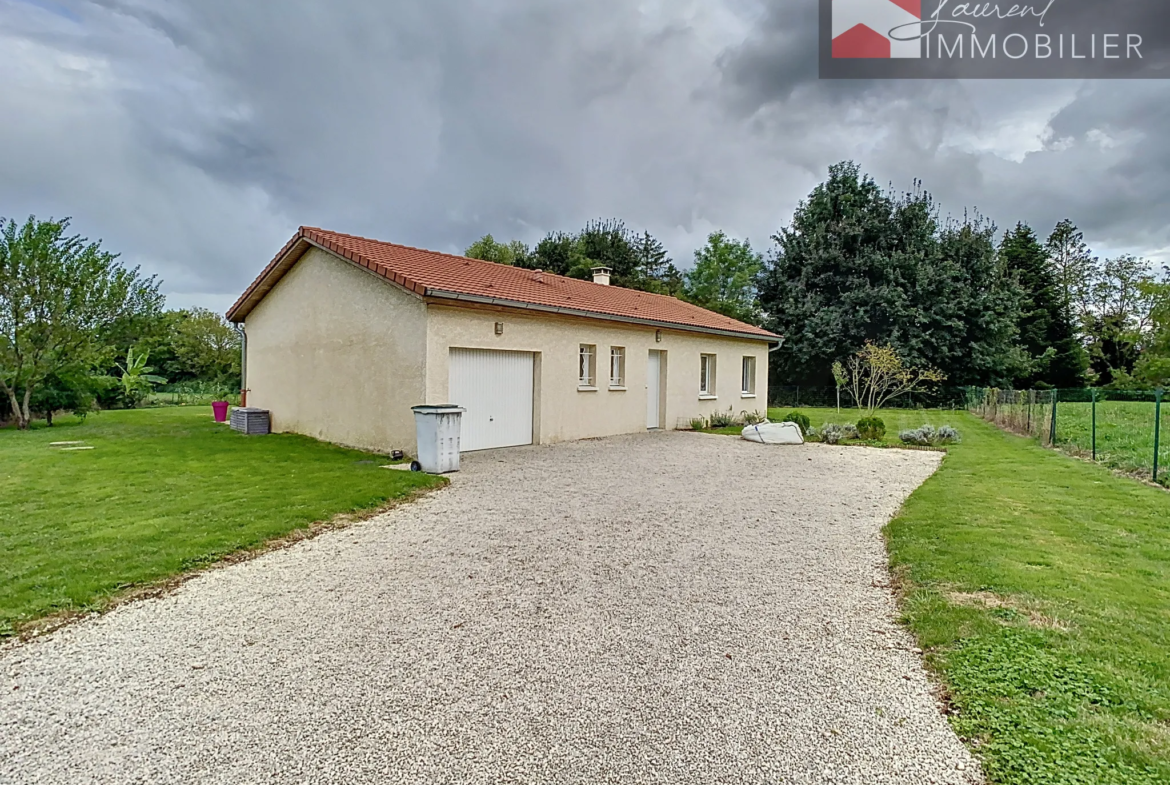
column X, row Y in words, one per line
column 506, row 303
column 291, row 254
column 300, row 244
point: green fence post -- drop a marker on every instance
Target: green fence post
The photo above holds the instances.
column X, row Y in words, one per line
column 1052, row 429
column 1094, row 424
column 1157, row 428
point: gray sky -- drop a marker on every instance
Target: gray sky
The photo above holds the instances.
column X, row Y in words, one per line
column 194, row 136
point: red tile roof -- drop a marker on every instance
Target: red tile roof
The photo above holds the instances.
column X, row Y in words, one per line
column 433, row 274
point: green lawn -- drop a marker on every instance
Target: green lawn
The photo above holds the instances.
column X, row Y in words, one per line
column 163, row 491
column 1039, row 587
column 1125, row 434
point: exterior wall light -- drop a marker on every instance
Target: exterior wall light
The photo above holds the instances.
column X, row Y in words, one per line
column 658, row 336
column 499, row 328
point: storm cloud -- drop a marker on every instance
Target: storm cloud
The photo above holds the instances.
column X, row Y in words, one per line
column 196, row 136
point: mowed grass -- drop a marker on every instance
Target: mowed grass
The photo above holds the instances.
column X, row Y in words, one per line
column 1039, row 587
column 162, row 492
column 1125, row 435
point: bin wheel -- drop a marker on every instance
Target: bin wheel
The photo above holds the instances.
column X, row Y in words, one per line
column 415, row 466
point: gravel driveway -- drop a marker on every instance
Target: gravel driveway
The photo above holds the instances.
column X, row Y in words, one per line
column 669, row 608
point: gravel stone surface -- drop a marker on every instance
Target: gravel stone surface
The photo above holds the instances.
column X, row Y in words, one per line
column 667, row 608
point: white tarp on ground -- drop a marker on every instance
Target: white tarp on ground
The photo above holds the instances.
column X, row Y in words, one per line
column 774, row 433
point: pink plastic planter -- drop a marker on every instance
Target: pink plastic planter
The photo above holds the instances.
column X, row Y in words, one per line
column 221, row 410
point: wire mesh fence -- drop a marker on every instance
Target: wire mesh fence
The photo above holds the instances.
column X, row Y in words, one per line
column 1126, row 430
column 1026, row 412
column 190, row 394
column 1122, row 429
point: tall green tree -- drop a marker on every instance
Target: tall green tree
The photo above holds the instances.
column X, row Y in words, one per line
column 973, row 318
column 1108, row 302
column 652, row 257
column 1113, row 349
column 155, row 334
column 1122, row 302
column 1075, row 270
column 609, row 244
column 858, row 265
column 206, row 346
column 1120, row 290
column 828, row 288
column 489, row 249
column 68, row 389
column 637, row 261
column 1046, row 334
column 724, row 278
column 558, row 253
column 1153, row 366
column 60, row 295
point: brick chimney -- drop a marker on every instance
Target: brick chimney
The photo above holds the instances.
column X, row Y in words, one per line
column 601, row 275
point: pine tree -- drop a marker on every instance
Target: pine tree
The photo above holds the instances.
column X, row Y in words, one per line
column 1075, row 269
column 1055, row 358
column 658, row 268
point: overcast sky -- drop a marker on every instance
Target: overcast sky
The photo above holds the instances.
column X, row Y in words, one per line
column 194, row 136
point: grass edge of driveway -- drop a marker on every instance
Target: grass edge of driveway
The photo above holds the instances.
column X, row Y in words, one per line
column 164, row 494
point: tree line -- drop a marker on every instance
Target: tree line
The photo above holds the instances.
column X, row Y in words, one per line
column 857, row 266
column 861, row 265
column 723, row 278
column 80, row 330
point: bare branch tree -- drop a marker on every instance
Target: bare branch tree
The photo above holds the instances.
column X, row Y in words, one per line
column 876, row 375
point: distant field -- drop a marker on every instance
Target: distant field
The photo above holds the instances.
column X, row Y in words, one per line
column 1125, row 434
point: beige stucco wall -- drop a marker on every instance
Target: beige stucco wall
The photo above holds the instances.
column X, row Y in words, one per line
column 566, row 413
column 339, row 354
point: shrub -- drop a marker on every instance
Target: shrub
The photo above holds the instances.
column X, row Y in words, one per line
column 800, row 419
column 929, row 436
column 722, row 419
column 922, row 437
column 871, row 428
column 752, row 418
column 948, row 435
column 698, row 424
column 831, row 434
column 814, row 435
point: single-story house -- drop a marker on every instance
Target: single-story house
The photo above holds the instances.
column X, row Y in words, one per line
column 343, row 335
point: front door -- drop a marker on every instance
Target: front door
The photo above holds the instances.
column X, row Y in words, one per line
column 654, row 390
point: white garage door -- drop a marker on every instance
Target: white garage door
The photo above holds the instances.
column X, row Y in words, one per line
column 496, row 390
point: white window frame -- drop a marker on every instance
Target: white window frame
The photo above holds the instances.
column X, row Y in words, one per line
column 748, row 383
column 587, row 367
column 617, row 367
column 708, row 370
